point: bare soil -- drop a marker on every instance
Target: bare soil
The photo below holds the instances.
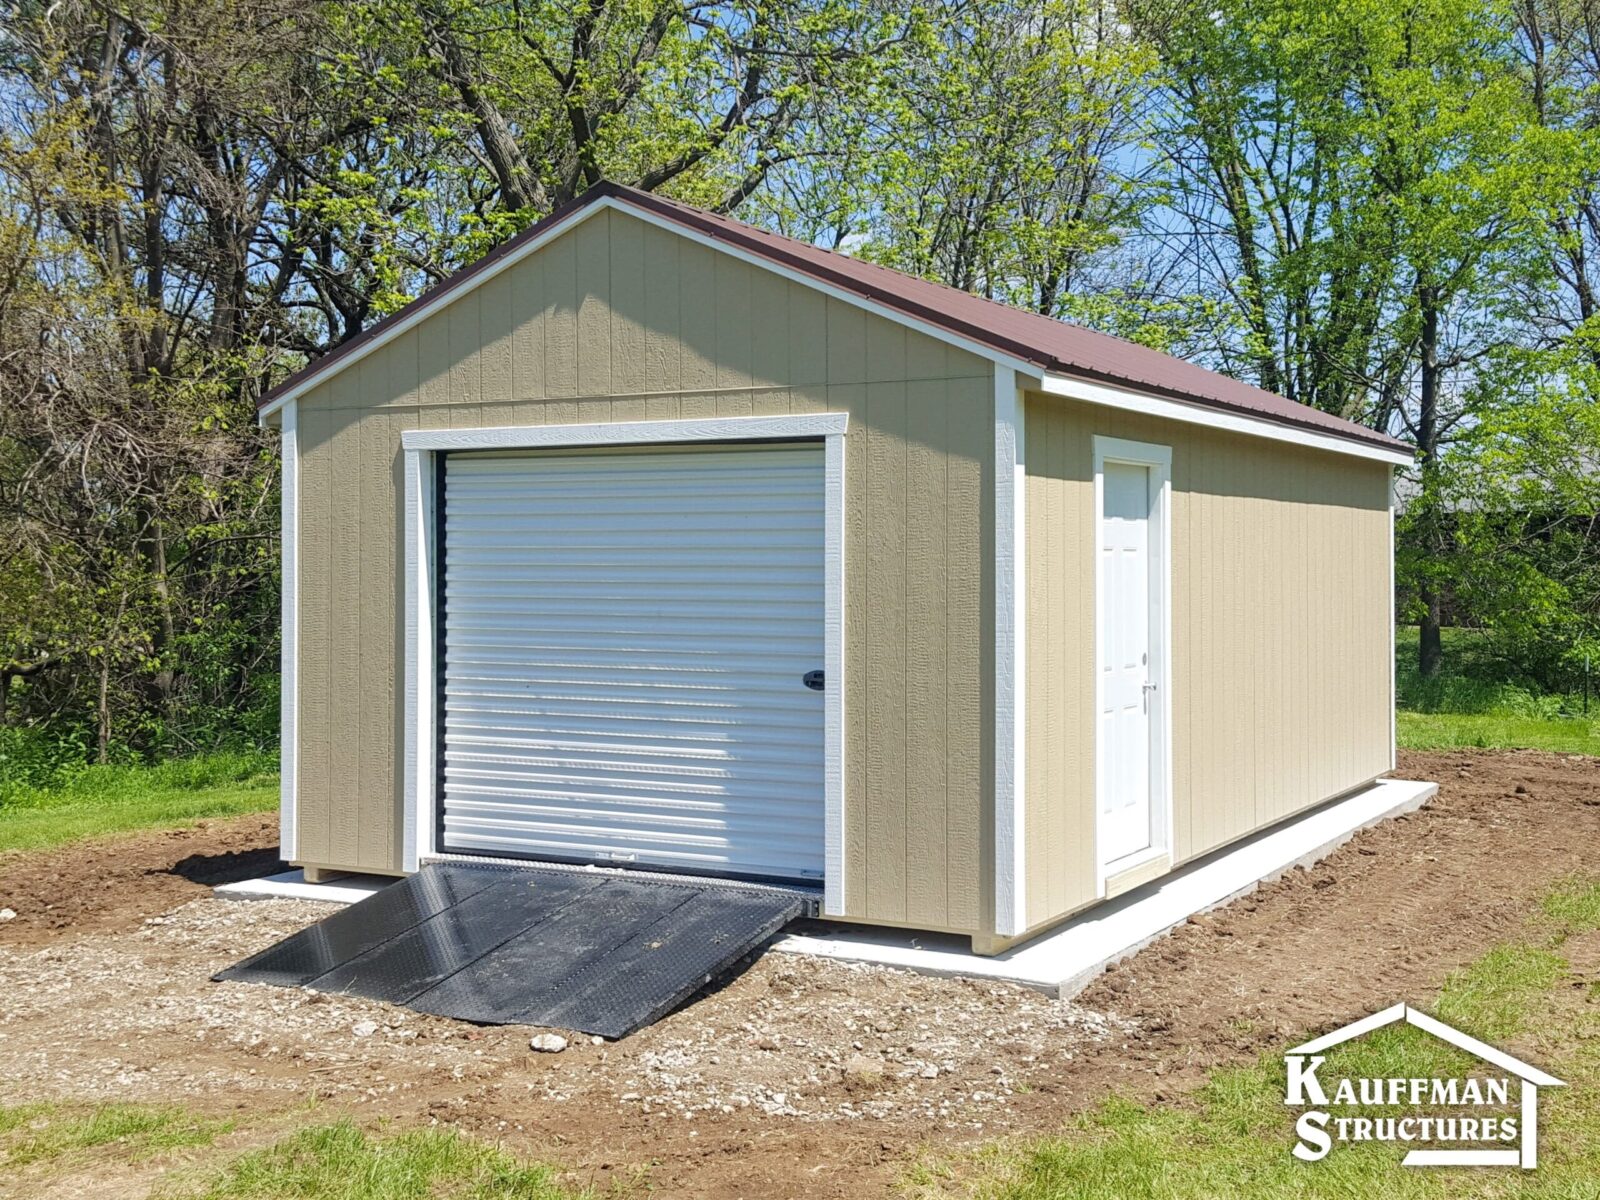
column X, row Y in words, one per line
column 797, row 1078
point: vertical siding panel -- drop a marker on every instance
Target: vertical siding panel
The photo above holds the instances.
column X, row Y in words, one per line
column 496, row 375
column 733, row 297
column 1183, row 649
column 926, row 638
column 809, row 400
column 1205, row 676
column 847, row 343
column 808, row 336
column 629, row 408
column 627, row 307
column 317, row 602
column 561, row 297
column 971, row 433
column 375, row 694
column 769, row 402
column 885, row 562
column 345, row 633
column 464, row 338
column 530, row 314
column 593, row 255
column 694, row 407
column 1041, row 774
column 661, row 306
column 1079, row 554
column 661, row 408
column 400, row 362
column 433, row 362
column 697, row 317
column 770, row 331
column 885, row 357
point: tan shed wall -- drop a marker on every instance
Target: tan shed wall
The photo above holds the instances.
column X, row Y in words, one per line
column 1281, row 615
column 620, row 321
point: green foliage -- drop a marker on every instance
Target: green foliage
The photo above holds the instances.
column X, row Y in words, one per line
column 343, row 1162
column 1486, row 698
column 82, row 801
column 1444, row 731
column 32, row 1133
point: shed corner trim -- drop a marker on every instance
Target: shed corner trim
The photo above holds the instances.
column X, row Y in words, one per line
column 1010, row 655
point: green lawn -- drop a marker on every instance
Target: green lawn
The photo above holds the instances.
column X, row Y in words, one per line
column 1450, row 731
column 342, row 1162
column 1477, row 702
column 47, row 1133
column 1233, row 1137
column 121, row 799
column 339, row 1161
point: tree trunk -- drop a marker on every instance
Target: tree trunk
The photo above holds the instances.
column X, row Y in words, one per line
column 103, row 711
column 1430, row 648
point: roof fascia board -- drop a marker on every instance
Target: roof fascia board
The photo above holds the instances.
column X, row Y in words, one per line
column 1195, row 414
column 426, row 306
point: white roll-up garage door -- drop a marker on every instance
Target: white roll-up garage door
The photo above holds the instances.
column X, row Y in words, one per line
column 626, row 641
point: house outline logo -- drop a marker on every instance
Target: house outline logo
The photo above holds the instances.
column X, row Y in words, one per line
column 1302, row 1062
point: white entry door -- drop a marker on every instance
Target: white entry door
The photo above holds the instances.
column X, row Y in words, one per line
column 633, row 646
column 1127, row 684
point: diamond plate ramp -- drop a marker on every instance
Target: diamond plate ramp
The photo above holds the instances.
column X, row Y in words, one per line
column 597, row 952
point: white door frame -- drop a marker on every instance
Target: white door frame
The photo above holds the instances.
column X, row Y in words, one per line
column 1159, row 461
column 421, row 447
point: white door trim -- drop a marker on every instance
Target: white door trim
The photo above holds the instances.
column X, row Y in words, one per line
column 1159, row 460
column 420, row 448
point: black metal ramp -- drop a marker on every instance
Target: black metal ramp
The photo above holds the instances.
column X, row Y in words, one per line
column 594, row 951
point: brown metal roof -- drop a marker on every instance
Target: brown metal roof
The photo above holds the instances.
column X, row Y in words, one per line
column 1052, row 345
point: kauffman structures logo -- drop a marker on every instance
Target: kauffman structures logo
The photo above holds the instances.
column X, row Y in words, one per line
column 1481, row 1120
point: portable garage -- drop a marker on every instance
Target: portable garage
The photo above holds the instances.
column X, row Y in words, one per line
column 656, row 540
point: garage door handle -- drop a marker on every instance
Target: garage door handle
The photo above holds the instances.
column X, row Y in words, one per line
column 815, row 680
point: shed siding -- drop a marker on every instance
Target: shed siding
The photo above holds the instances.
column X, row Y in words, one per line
column 620, row 321
column 1281, row 606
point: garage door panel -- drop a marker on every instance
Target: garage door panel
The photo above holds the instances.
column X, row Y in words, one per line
column 625, row 636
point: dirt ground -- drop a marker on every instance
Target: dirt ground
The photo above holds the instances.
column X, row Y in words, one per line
column 797, row 1078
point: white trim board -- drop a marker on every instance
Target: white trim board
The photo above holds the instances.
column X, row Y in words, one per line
column 1010, row 656
column 421, row 446
column 1129, row 398
column 1132, row 400
column 289, row 645
column 629, row 433
column 1062, row 961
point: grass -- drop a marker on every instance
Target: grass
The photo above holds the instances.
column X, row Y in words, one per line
column 31, row 1133
column 1486, row 731
column 340, row 1161
column 1477, row 702
column 1233, row 1136
column 120, row 799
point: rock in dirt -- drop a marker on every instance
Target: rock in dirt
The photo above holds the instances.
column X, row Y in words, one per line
column 7, row 914
column 364, row 1028
column 548, row 1043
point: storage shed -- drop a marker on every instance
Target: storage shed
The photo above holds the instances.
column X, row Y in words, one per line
column 656, row 540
